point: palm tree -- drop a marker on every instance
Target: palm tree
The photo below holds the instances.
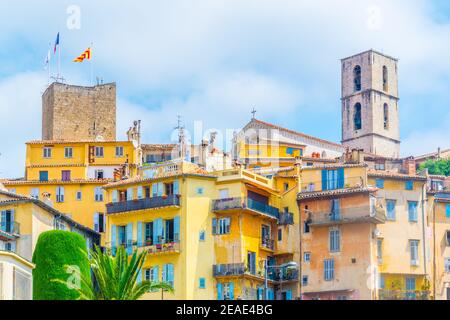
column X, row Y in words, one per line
column 115, row 277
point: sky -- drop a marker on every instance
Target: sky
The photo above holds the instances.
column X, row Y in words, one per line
column 215, row 60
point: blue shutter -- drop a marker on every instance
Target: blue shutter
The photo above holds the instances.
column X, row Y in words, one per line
column 113, row 239
column 160, row 189
column 130, row 194
column 139, row 192
column 214, row 226
column 155, row 273
column 289, row 295
column 139, row 276
column 259, row 294
column 129, row 238
column 176, row 228
column 154, row 190
column 447, row 210
column 139, row 234
column 219, row 292
column 341, row 178
column 96, row 224
column 231, row 286
column 170, row 274
column 324, row 180
column 271, row 294
column 155, row 231
column 176, row 187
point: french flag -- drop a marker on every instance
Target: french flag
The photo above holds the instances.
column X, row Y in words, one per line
column 56, row 43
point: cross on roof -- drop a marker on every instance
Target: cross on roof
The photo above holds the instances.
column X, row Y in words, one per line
column 253, row 113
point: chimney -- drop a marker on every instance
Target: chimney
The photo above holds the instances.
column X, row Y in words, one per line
column 409, row 166
column 356, row 156
column 46, row 199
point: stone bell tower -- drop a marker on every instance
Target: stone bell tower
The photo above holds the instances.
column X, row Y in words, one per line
column 370, row 115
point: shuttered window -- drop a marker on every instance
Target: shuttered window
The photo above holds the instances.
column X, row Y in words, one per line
column 328, row 266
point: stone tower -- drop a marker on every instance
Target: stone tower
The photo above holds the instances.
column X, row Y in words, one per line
column 79, row 113
column 370, row 117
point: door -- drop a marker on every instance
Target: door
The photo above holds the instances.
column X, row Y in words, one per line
column 251, row 262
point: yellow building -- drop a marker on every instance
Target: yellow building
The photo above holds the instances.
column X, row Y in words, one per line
column 72, row 173
column 403, row 242
column 439, row 213
column 22, row 220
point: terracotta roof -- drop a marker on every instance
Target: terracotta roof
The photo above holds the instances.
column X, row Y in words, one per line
column 73, row 141
column 430, row 155
column 297, row 133
column 336, row 166
column 395, row 175
column 73, row 181
column 331, row 193
column 436, row 176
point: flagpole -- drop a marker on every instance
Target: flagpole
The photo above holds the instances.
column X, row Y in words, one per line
column 48, row 63
column 92, row 65
column 59, row 61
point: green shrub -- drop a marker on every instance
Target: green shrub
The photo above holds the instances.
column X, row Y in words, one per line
column 54, row 252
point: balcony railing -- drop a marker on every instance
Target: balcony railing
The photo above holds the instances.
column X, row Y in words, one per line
column 403, row 295
column 283, row 275
column 147, row 203
column 245, row 203
column 169, row 246
column 361, row 214
column 286, row 218
column 268, row 244
column 233, row 269
column 10, row 228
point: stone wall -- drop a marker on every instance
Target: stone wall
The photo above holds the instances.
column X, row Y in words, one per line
column 79, row 113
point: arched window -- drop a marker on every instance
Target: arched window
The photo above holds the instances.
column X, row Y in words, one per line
column 385, row 78
column 357, row 78
column 357, row 117
column 386, row 116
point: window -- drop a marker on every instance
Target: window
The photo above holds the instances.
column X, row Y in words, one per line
column 390, row 210
column 68, row 152
column 119, row 151
column 99, row 222
column 448, row 238
column 447, row 265
column 65, row 175
column 148, row 234
column 379, row 183
column 385, row 78
column 380, row 166
column 59, row 194
column 412, row 211
column 168, row 274
column 47, row 152
column 335, row 210
column 169, row 231
column 98, row 194
column 280, row 234
column 414, row 250
column 380, row 250
column 306, row 227
column 43, row 175
column 333, row 179
column 122, row 235
column 202, row 283
column 99, row 152
column 251, row 262
column 286, row 186
column 328, row 267
column 22, row 285
column 357, row 78
column 334, row 240
column 140, row 192
column 357, row 122
column 200, row 191
column 152, row 275
column 386, row 116
column 307, row 257
column 411, row 285
column 221, row 226
column 409, row 185
column 78, row 196
column 382, row 283
column 304, row 280
column 223, row 194
column 99, row 174
column 34, row 193
column 58, row 224
column 202, row 235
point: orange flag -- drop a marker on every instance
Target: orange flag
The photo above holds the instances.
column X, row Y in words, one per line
column 85, row 55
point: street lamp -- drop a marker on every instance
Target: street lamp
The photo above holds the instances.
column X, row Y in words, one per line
column 288, row 266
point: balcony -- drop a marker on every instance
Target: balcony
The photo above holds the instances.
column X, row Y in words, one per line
column 363, row 214
column 286, row 218
column 283, row 276
column 403, row 295
column 140, row 204
column 268, row 244
column 9, row 230
column 229, row 204
column 233, row 269
column 171, row 246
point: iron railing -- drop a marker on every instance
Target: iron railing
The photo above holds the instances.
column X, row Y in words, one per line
column 12, row 228
column 286, row 218
column 348, row 215
column 403, row 294
column 139, row 204
column 282, row 274
column 268, row 243
column 243, row 203
column 232, row 269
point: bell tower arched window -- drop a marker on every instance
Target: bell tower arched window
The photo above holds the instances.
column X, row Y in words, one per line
column 357, row 117
column 386, row 116
column 385, row 78
column 357, row 78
